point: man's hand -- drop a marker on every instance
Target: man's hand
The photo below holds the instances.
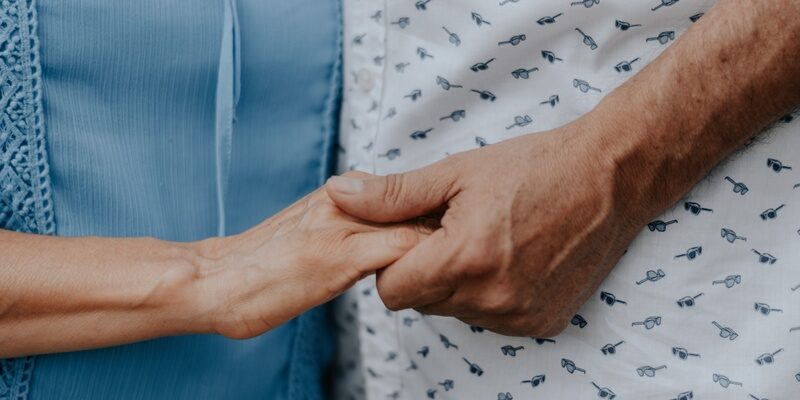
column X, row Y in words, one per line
column 532, row 225
column 531, row 228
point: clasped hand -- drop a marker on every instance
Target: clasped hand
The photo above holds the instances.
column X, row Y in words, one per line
column 298, row 259
column 530, row 228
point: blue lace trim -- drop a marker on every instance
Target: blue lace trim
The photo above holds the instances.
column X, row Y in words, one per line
column 25, row 200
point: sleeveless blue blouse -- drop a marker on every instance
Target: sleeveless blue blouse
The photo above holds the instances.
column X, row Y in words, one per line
column 177, row 120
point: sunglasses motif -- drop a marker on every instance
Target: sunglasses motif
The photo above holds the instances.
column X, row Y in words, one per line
column 684, row 396
column 552, row 100
column 402, row 22
column 391, row 154
column 652, row 276
column 481, row 66
column 479, row 20
column 569, row 365
column 541, row 341
column 625, row 66
column 481, row 142
column 724, row 381
column 610, row 299
column 423, row 351
column 664, row 3
column 511, row 351
column 584, row 86
column 452, row 37
column 771, row 213
column 585, row 3
column 688, row 301
column 648, row 323
column 624, row 26
column 455, row 115
column 473, row 368
column 445, row 84
column 729, row 281
column 659, row 225
column 414, row 95
column 475, row 329
column 514, row 40
column 446, row 342
column 604, row 392
column 776, row 165
column 662, row 38
column 523, row 73
column 695, row 208
column 611, row 348
column 587, row 40
column 548, row 20
column 422, row 5
column 691, row 253
column 730, row 235
column 682, row 353
column 485, row 94
column 738, row 187
column 420, row 134
column 535, row 381
column 447, row 385
column 550, row 56
column 504, row 2
column 765, row 258
column 505, row 396
column 767, row 358
column 520, row 121
column 725, row 332
column 765, row 309
column 649, row 371
column 696, row 17
column 579, row 321
column 423, row 53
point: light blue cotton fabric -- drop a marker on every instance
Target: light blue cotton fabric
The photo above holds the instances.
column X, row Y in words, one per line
column 135, row 101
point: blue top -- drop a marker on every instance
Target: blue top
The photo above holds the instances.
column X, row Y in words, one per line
column 178, row 121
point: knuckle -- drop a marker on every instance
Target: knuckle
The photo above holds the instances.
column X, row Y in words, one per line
column 393, row 189
column 403, row 238
column 476, row 259
column 498, row 302
column 322, row 211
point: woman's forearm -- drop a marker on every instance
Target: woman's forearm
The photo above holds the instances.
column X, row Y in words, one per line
column 62, row 294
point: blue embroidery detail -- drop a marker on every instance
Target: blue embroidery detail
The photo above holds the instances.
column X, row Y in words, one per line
column 25, row 200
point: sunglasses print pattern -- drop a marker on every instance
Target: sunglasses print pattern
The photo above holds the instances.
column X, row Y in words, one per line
column 705, row 303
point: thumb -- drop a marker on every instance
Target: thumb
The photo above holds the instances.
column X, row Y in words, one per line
column 393, row 198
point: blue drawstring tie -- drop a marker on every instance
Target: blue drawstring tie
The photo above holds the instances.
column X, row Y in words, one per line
column 229, row 86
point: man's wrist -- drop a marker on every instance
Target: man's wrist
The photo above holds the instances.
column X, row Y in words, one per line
column 637, row 152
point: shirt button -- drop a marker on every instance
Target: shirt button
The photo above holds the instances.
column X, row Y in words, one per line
column 365, row 79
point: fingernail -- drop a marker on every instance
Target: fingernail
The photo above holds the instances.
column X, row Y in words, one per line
column 346, row 185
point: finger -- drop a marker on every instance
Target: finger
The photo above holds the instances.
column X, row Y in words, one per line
column 373, row 250
column 394, row 198
column 364, row 253
column 421, row 276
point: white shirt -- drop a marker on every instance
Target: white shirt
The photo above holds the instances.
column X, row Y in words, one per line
column 697, row 308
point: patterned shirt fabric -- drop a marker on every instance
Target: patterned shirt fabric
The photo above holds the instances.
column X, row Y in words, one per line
column 706, row 302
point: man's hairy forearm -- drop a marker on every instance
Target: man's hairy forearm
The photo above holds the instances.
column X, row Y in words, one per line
column 727, row 78
column 56, row 290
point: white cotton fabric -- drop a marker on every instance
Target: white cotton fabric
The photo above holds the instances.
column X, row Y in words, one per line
column 405, row 355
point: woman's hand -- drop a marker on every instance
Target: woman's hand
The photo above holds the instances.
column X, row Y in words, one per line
column 292, row 262
column 65, row 294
